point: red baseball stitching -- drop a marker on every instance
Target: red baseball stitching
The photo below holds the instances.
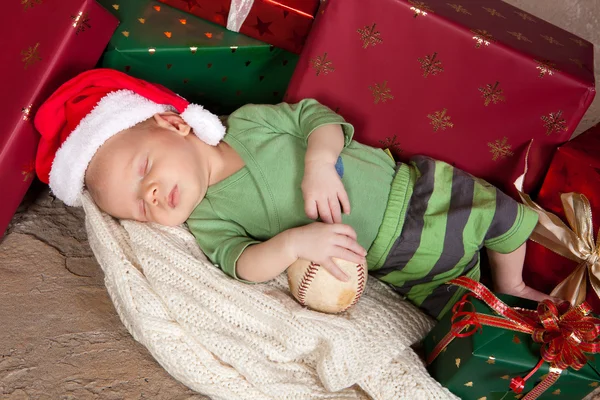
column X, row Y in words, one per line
column 360, row 285
column 307, row 279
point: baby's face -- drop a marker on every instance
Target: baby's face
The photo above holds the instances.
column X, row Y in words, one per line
column 152, row 173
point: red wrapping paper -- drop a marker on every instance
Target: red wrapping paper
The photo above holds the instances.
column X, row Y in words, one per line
column 467, row 82
column 574, row 168
column 282, row 23
column 61, row 39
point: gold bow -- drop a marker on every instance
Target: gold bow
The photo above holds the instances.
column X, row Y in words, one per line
column 576, row 243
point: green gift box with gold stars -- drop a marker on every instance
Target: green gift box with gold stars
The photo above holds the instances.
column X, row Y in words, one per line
column 201, row 61
column 481, row 366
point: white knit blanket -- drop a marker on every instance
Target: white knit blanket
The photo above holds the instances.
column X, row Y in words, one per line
column 230, row 340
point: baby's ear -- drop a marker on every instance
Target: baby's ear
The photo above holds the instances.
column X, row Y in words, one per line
column 172, row 121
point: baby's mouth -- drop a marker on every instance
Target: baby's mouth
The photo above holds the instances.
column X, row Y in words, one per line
column 173, row 199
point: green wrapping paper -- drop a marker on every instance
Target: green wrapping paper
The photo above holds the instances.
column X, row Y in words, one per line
column 481, row 366
column 201, row 61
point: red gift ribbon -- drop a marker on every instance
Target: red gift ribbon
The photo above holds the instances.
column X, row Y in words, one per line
column 564, row 332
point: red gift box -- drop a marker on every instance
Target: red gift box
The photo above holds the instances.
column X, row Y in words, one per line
column 282, row 23
column 574, row 168
column 467, row 82
column 46, row 43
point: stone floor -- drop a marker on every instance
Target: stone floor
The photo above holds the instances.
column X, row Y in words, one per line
column 60, row 336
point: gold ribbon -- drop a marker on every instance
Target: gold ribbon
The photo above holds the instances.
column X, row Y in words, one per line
column 575, row 243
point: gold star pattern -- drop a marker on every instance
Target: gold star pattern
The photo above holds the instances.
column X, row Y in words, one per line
column 594, row 384
column 322, row 65
column 27, row 4
column 457, row 362
column 519, row 396
column 31, row 55
column 28, row 171
column 491, row 360
column 393, row 144
column 419, row 8
column 482, row 38
column 554, row 122
column 116, row 7
column 482, row 398
column 516, row 339
column 491, row 94
column 430, row 65
column 81, row 21
column 499, row 149
column 551, row 40
column 440, row 120
column 125, row 33
column 580, row 42
column 142, row 20
column 546, row 67
column 525, row 16
column 369, row 36
column 520, row 36
column 556, row 392
column 577, row 62
column 505, row 377
column 381, row 93
column 493, row 12
column 469, row 384
column 26, row 112
column 459, row 9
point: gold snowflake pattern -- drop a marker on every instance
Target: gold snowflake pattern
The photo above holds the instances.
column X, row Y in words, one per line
column 546, row 67
column 31, row 55
column 28, row 171
column 419, row 8
column 554, row 122
column 392, row 144
column 322, row 65
column 27, row 4
column 520, row 36
column 577, row 61
column 525, row 16
column 493, row 12
column 431, row 65
column 440, row 120
column 81, row 21
column 500, row 149
column 482, row 38
column 26, row 112
column 459, row 9
column 492, row 94
column 551, row 40
column 580, row 42
column 369, row 36
column 381, row 93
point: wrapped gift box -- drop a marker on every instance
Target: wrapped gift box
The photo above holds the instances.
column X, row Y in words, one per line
column 574, row 168
column 482, row 365
column 61, row 39
column 201, row 61
column 467, row 82
column 283, row 23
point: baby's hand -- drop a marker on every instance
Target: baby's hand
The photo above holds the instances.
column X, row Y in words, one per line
column 323, row 191
column 319, row 242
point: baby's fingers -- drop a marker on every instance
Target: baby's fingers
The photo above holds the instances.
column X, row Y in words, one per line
column 334, row 270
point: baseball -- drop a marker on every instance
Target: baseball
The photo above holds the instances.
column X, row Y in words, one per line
column 315, row 288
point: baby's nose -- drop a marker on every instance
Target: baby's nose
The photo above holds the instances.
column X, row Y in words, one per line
column 152, row 194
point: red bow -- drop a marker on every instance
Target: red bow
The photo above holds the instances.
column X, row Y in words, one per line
column 564, row 332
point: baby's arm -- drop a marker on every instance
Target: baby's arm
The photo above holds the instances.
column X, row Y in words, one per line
column 317, row 242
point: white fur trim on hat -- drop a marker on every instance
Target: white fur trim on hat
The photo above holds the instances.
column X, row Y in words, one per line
column 114, row 113
column 206, row 125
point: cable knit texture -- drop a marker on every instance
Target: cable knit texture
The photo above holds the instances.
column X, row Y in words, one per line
column 231, row 340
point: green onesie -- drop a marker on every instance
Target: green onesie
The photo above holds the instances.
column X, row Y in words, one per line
column 423, row 223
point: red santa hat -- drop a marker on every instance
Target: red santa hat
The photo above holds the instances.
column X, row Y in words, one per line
column 91, row 108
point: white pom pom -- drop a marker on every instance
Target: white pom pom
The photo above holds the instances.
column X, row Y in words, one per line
column 206, row 125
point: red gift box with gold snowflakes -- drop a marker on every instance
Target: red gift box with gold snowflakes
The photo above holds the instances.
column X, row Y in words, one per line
column 467, row 82
column 282, row 23
column 61, row 39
